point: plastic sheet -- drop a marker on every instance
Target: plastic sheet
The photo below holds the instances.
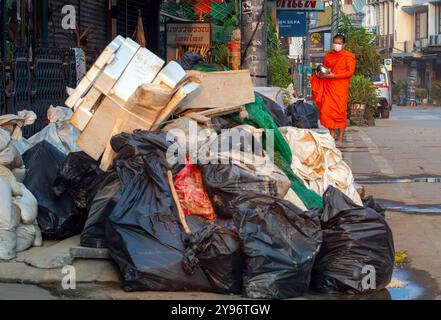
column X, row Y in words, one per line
column 190, row 59
column 355, row 240
column 192, row 195
column 279, row 242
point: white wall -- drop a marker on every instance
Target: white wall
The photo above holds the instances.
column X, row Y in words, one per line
column 404, row 22
column 432, row 19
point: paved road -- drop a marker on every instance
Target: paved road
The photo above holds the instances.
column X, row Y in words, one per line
column 406, row 145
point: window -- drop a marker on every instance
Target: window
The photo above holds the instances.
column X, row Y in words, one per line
column 421, row 25
column 438, row 9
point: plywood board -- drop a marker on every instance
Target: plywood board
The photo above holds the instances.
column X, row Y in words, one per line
column 221, row 89
column 95, row 137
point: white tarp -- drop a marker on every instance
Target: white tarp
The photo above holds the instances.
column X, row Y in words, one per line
column 319, row 163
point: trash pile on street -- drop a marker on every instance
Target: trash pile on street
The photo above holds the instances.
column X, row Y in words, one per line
column 154, row 163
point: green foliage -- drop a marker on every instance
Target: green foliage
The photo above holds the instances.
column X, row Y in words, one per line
column 421, row 93
column 399, row 88
column 435, row 91
column 278, row 62
column 278, row 66
column 362, row 91
column 362, row 44
column 219, row 54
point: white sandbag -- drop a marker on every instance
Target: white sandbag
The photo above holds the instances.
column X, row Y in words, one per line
column 318, row 162
column 5, row 138
column 38, row 241
column 59, row 132
column 14, row 123
column 28, row 206
column 8, row 243
column 25, row 237
column 10, row 157
column 19, row 174
column 9, row 176
column 22, row 145
column 8, row 221
column 6, row 213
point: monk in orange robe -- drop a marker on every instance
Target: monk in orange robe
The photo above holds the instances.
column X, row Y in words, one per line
column 330, row 90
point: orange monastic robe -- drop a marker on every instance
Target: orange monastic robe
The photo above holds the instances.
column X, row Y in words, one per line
column 331, row 95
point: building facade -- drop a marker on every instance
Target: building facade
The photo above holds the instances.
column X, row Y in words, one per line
column 409, row 32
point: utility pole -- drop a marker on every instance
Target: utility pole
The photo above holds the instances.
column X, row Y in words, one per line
column 335, row 18
column 306, row 57
column 254, row 40
column 388, row 30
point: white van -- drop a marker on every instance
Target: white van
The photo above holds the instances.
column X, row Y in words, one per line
column 384, row 92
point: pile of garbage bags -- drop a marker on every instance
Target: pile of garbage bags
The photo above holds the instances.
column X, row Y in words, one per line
column 254, row 202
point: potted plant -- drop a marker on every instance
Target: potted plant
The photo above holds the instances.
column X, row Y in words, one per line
column 421, row 95
column 363, row 100
column 435, row 92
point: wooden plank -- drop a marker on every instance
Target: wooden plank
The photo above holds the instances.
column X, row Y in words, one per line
column 221, row 111
column 221, row 89
column 186, row 91
column 96, row 135
column 83, row 114
column 109, row 154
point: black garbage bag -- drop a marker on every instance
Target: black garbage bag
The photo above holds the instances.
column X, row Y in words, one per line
column 355, row 240
column 105, row 199
column 143, row 232
column 80, row 176
column 370, row 202
column 279, row 242
column 216, row 249
column 190, row 59
column 303, row 115
column 58, row 217
column 223, row 123
column 276, row 111
column 226, row 182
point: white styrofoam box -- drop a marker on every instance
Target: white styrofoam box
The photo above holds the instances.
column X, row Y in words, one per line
column 85, row 84
column 113, row 71
column 171, row 75
column 142, row 69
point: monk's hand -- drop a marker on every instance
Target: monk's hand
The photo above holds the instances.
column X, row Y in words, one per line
column 329, row 75
column 319, row 74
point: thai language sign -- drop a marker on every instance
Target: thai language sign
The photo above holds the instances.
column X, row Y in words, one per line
column 188, row 34
column 299, row 5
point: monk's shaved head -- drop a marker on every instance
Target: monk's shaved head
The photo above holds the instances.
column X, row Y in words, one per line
column 341, row 37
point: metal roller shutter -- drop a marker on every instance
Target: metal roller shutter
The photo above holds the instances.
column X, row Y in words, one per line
column 89, row 13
